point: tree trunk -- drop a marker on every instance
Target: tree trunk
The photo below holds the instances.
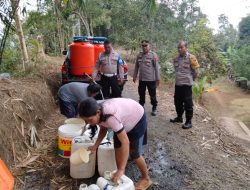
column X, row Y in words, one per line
column 41, row 53
column 59, row 25
column 60, row 35
column 86, row 25
column 91, row 28
column 84, row 22
column 21, row 39
column 73, row 30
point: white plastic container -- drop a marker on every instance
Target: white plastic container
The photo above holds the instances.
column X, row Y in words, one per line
column 84, row 170
column 77, row 121
column 93, row 187
column 86, row 187
column 83, row 187
column 66, row 133
column 80, row 156
column 106, row 158
column 124, row 184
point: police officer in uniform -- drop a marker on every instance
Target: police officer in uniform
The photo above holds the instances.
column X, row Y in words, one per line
column 109, row 63
column 186, row 71
column 149, row 74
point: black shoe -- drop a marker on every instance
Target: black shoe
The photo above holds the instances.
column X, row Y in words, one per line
column 187, row 125
column 176, row 120
column 153, row 113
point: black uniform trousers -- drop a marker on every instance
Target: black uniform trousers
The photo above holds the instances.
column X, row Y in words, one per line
column 183, row 101
column 108, row 83
column 151, row 85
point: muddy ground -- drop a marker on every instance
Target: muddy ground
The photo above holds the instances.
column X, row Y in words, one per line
column 205, row 157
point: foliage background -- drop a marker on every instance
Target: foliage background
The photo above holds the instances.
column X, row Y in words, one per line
column 54, row 23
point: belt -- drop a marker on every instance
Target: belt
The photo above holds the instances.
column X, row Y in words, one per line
column 109, row 75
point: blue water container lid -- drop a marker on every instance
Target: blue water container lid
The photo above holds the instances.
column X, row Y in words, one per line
column 80, row 39
column 97, row 40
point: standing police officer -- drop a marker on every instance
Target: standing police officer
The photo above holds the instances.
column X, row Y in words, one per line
column 149, row 74
column 186, row 71
column 109, row 63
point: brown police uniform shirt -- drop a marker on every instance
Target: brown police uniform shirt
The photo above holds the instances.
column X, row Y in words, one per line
column 186, row 69
column 108, row 64
column 148, row 67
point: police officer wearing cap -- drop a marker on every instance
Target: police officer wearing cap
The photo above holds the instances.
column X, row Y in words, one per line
column 149, row 74
column 186, row 71
column 110, row 64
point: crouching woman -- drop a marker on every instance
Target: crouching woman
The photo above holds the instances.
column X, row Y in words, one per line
column 128, row 120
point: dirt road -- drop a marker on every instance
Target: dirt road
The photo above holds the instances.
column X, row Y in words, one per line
column 205, row 157
column 201, row 158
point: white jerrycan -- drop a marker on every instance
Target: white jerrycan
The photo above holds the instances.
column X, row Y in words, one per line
column 86, row 187
column 81, row 169
column 105, row 183
column 106, row 158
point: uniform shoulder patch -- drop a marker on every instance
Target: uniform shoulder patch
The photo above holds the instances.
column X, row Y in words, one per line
column 193, row 61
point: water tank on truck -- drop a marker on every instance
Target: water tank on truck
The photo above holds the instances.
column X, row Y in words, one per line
column 98, row 45
column 82, row 54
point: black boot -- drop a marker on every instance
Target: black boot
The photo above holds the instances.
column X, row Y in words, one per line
column 187, row 125
column 154, row 112
column 177, row 120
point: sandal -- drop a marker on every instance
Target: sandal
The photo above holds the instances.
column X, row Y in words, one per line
column 140, row 186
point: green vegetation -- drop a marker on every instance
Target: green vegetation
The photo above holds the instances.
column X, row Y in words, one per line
column 51, row 27
column 198, row 88
column 240, row 59
column 235, row 46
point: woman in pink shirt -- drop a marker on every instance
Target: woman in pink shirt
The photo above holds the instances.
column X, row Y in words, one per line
column 128, row 120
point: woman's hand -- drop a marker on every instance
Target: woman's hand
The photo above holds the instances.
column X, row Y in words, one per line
column 93, row 148
column 101, row 135
column 117, row 175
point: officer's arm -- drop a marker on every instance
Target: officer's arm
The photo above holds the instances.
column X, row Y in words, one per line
column 157, row 68
column 97, row 66
column 120, row 68
column 195, row 73
column 195, row 66
column 136, row 69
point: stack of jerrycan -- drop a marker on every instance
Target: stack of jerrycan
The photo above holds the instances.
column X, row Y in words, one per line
column 82, row 161
column 105, row 183
column 82, row 164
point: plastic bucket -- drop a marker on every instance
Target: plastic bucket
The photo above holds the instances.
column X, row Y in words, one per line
column 77, row 121
column 66, row 133
column 80, row 156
